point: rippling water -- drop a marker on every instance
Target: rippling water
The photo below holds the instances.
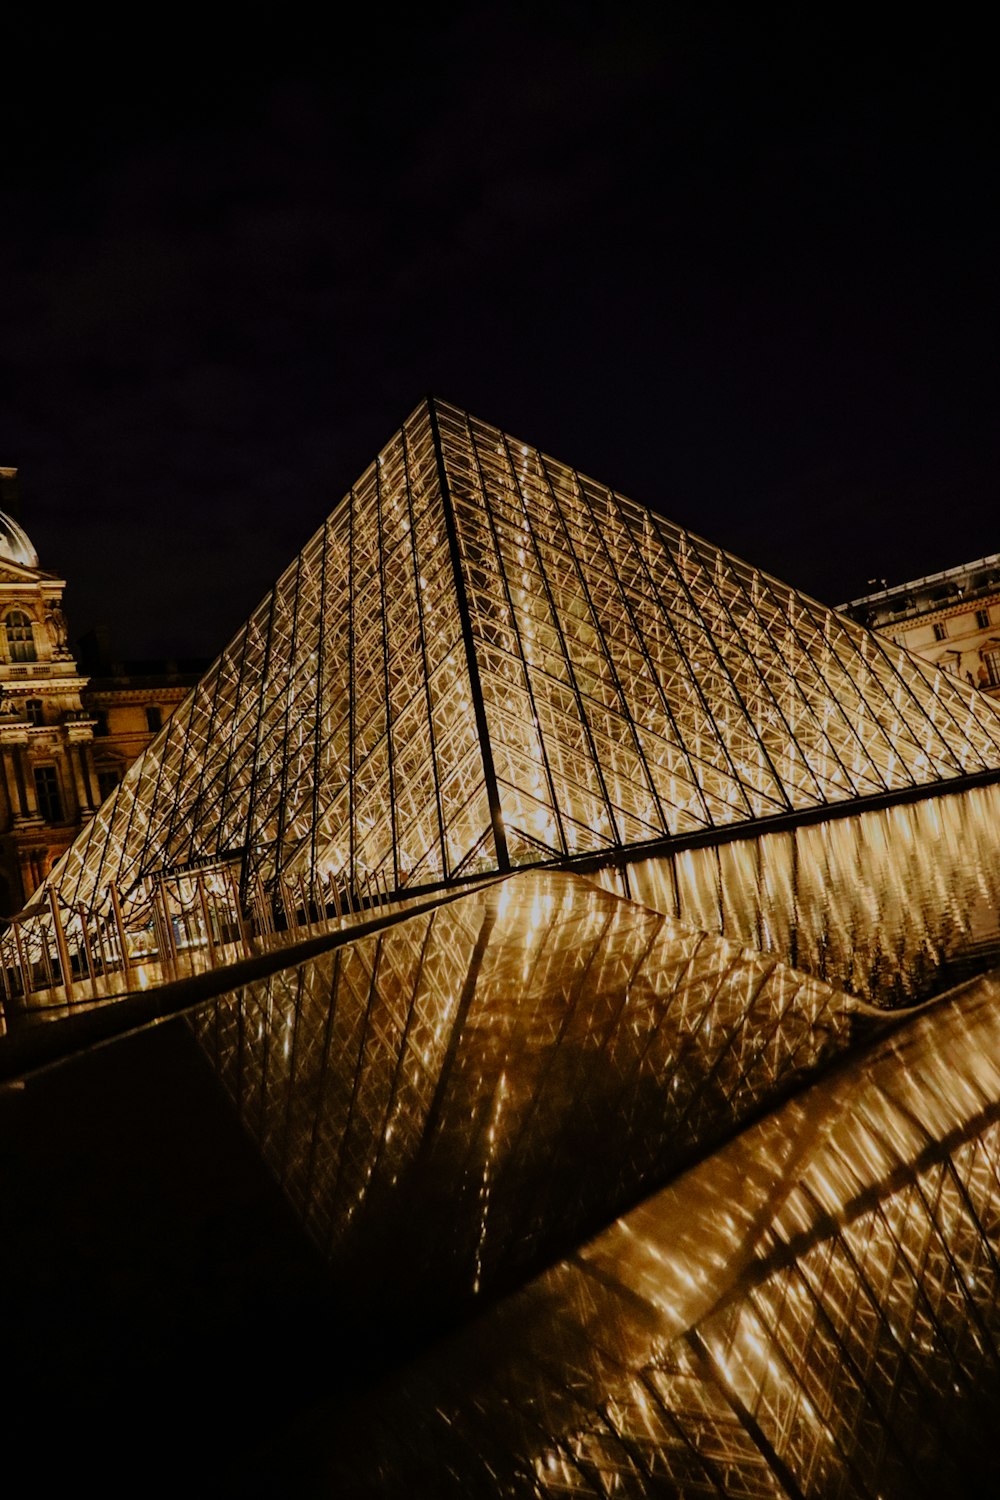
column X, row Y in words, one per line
column 458, row 1102
column 515, row 1065
column 894, row 906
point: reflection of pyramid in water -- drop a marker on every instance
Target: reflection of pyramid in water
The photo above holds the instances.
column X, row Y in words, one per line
column 483, row 660
column 400, row 1091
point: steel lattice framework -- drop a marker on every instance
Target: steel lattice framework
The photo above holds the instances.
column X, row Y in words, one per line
column 813, row 1309
column 455, row 1068
column 485, row 660
column 455, row 1102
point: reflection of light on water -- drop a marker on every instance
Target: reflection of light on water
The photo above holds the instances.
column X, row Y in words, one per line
column 878, row 902
column 371, row 1047
column 489, row 1164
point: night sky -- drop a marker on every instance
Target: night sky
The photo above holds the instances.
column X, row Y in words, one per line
column 741, row 264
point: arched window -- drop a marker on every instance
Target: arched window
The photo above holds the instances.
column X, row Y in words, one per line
column 20, row 637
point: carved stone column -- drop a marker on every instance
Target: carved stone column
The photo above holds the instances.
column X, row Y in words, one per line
column 12, row 781
column 86, row 752
column 26, row 783
column 83, row 804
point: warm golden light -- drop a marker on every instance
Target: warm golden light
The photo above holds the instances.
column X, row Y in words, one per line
column 484, row 659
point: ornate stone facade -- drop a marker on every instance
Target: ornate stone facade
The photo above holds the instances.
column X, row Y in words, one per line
column 129, row 702
column 951, row 618
column 48, row 785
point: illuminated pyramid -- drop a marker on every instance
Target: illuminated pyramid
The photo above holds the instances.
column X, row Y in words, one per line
column 484, row 660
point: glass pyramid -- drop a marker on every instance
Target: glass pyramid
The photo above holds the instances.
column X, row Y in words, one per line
column 485, row 660
column 811, row 1311
column 400, row 1095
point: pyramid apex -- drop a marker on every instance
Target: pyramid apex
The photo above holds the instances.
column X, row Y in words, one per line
column 433, row 400
column 485, row 660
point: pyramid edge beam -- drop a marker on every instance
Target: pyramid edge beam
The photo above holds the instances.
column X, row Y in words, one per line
column 468, row 642
column 852, row 626
column 620, row 854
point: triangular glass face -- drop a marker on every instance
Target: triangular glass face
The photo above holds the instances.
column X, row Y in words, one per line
column 484, row 659
column 335, row 736
column 639, row 682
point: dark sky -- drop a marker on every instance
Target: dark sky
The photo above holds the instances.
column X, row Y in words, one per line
column 740, row 263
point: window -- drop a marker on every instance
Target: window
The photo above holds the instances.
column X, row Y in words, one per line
column 991, row 661
column 35, row 710
column 47, row 791
column 20, row 637
column 940, row 631
column 106, row 783
column 982, row 619
column 101, row 716
column 154, row 718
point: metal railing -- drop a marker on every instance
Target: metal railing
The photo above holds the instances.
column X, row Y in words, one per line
column 172, row 926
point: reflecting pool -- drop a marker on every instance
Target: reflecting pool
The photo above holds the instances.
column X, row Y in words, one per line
column 543, row 1191
column 892, row 905
column 813, row 1310
column 516, row 1065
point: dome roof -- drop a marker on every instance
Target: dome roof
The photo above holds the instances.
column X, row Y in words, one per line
column 15, row 544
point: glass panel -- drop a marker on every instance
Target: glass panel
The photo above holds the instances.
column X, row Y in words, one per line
column 619, row 680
